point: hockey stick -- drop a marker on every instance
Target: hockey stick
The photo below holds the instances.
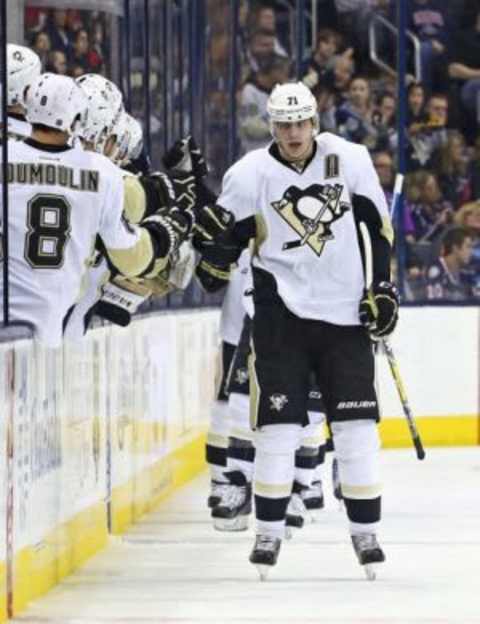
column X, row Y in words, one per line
column 392, row 361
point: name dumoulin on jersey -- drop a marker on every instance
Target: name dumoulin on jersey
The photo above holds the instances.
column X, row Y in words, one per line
column 60, row 199
column 306, row 224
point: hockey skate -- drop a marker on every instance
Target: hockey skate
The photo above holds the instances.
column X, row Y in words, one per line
column 312, row 498
column 265, row 554
column 337, row 488
column 217, row 489
column 231, row 513
column 369, row 553
column 295, row 518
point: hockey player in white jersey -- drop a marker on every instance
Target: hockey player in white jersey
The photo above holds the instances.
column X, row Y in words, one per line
column 23, row 67
column 109, row 294
column 63, row 197
column 231, row 511
column 302, row 200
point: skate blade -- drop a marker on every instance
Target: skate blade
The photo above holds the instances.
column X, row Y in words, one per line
column 240, row 523
column 263, row 571
column 370, row 570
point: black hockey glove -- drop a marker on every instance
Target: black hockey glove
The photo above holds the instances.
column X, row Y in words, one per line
column 170, row 191
column 117, row 303
column 378, row 309
column 212, row 277
column 169, row 230
column 213, row 223
column 185, row 156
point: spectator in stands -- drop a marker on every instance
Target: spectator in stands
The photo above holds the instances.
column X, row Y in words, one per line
column 323, row 58
column 431, row 213
column 97, row 38
column 383, row 119
column 261, row 46
column 468, row 216
column 57, row 30
column 263, row 17
column 342, row 75
column 429, row 21
column 464, row 67
column 416, row 106
column 354, row 117
column 254, row 122
column 57, row 62
column 384, row 166
column 82, row 55
column 325, row 97
column 451, row 163
column 426, row 137
column 41, row 45
column 35, row 19
column 353, row 21
column 446, row 278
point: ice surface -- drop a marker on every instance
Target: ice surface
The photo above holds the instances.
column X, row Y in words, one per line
column 173, row 567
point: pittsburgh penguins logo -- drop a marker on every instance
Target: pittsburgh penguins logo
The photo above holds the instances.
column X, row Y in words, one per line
column 310, row 212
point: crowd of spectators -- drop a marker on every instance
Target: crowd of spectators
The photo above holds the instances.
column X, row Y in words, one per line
column 72, row 42
column 356, row 100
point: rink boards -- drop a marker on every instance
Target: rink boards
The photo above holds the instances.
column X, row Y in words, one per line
column 95, row 435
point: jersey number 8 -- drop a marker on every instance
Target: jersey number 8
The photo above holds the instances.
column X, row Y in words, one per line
column 48, row 223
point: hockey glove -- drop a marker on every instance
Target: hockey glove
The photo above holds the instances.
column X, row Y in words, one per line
column 213, row 223
column 169, row 230
column 185, row 156
column 165, row 192
column 118, row 303
column 378, row 309
column 212, row 277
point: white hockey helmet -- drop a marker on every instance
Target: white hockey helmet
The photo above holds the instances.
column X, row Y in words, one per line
column 23, row 66
column 135, row 138
column 120, row 131
column 105, row 104
column 290, row 102
column 56, row 102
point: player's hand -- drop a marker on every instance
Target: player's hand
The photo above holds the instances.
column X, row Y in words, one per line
column 378, row 309
column 213, row 223
column 185, row 156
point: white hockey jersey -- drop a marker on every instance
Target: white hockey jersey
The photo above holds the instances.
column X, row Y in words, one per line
column 237, row 301
column 18, row 127
column 60, row 199
column 310, row 243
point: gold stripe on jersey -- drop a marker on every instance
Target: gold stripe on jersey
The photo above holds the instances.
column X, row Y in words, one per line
column 387, row 229
column 241, row 433
column 134, row 260
column 134, row 199
column 271, row 490
column 261, row 234
column 214, row 439
column 54, row 175
column 361, row 492
column 311, row 441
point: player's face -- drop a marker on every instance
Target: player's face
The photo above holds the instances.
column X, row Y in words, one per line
column 295, row 139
